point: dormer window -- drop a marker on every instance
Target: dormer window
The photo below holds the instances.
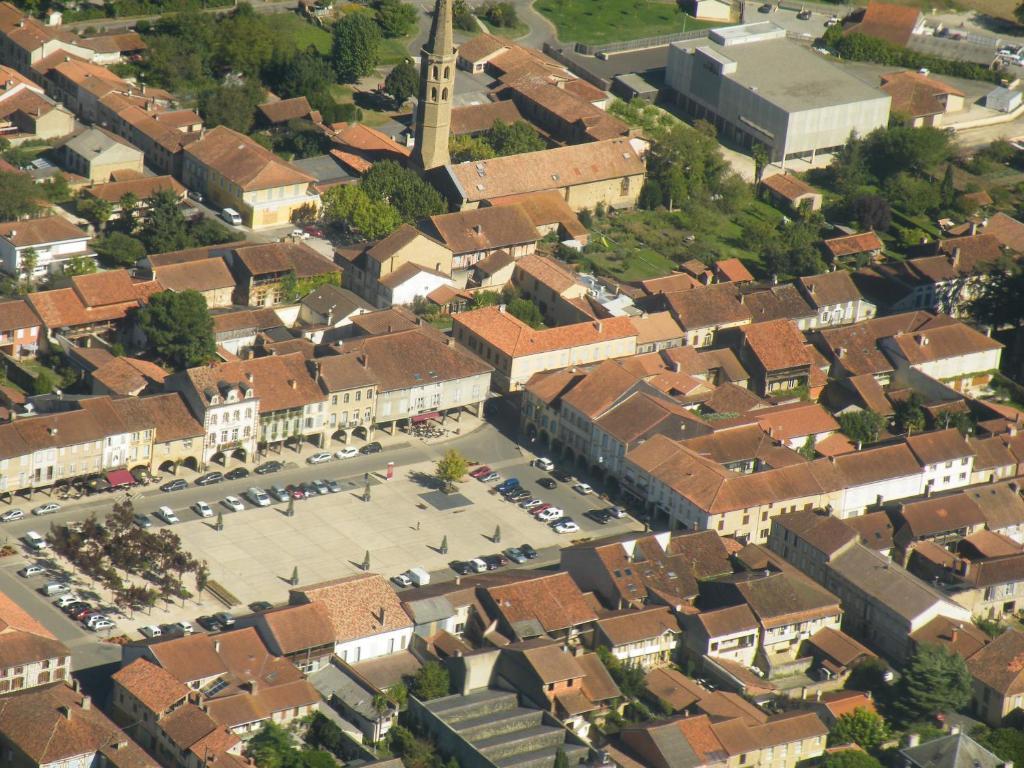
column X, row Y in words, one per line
column 215, row 400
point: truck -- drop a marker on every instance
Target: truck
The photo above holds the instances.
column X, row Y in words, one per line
column 418, row 577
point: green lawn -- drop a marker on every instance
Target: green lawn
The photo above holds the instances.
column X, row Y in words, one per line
column 394, row 49
column 636, row 245
column 608, row 21
column 509, row 33
column 301, row 32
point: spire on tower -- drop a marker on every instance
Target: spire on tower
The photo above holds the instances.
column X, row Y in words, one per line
column 437, row 89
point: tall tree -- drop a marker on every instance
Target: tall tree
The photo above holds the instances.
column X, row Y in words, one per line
column 412, row 197
column 19, row 196
column 998, row 304
column 394, row 17
column 908, row 414
column 513, row 138
column 431, row 682
column 29, row 262
column 166, row 228
column 935, row 680
column 862, row 727
column 861, row 426
column 179, row 327
column 451, row 468
column 232, row 105
column 402, row 81
column 947, row 190
column 119, row 250
column 355, row 49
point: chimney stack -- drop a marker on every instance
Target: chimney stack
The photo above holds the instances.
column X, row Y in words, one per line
column 86, row 702
column 598, row 325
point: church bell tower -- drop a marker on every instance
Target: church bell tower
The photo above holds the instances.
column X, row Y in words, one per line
column 437, row 87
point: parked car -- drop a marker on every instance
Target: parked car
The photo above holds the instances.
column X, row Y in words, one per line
column 224, row 618
column 79, row 611
column 583, row 489
column 233, row 503
column 538, row 509
column 142, row 521
column 185, row 627
column 334, row 486
column 268, row 467
column 509, row 484
column 547, row 482
column 296, row 493
column 562, row 476
column 480, row 471
column 490, row 477
column 34, row 541
column 347, row 452
column 477, row 565
column 617, row 512
column 402, row 580
column 516, row 555
column 313, row 231
column 11, row 515
column 238, row 473
column 209, row 623
column 565, row 526
column 319, row 458
column 545, row 464
column 202, row 509
column 93, row 618
column 46, row 509
column 178, row 484
column 260, row 606
column 210, row 478
column 373, row 447
column 461, row 567
column 101, row 625
column 31, row 570
column 65, row 600
column 495, row 561
column 301, row 234
column 599, row 516
column 167, row 515
column 551, row 513
column 309, row 490
column 258, row 497
column 321, row 487
column 530, row 503
column 516, row 496
column 279, row 493
column 55, row 588
column 197, row 196
column 804, row 14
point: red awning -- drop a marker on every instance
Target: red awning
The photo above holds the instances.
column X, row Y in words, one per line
column 425, row 417
column 120, row 477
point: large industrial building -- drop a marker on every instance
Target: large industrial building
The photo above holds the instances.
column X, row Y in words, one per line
column 756, row 86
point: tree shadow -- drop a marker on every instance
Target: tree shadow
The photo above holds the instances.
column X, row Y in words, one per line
column 995, row 24
column 425, row 480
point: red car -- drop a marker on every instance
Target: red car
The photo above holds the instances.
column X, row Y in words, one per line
column 313, row 231
column 81, row 613
column 480, row 471
column 537, row 510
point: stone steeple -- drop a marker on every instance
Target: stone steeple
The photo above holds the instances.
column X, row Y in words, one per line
column 437, row 87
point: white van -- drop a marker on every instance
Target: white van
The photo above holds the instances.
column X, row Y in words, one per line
column 418, row 576
column 35, row 541
column 231, row 216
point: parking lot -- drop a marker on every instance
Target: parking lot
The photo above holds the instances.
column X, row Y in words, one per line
column 402, row 526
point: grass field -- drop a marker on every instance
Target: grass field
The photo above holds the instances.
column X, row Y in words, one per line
column 511, row 33
column 607, row 21
column 637, row 245
column 393, row 50
column 302, row 33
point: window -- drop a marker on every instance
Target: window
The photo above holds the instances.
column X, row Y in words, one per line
column 346, row 398
column 624, row 187
column 359, row 396
column 433, row 94
column 369, row 394
column 444, row 95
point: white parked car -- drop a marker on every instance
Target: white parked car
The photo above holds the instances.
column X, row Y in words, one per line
column 233, row 503
column 319, row 458
column 150, row 631
column 551, row 513
column 65, row 600
column 202, row 509
column 46, row 509
column 94, row 618
column 565, row 526
column 185, row 627
column 347, row 452
column 167, row 515
column 301, row 234
column 258, row 497
column 402, row 580
column 582, row 488
column 32, row 570
column 101, row 625
column 11, row 515
column 546, row 464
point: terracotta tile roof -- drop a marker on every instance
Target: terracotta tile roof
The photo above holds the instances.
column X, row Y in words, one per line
column 673, row 283
column 778, row 302
column 17, row 313
column 556, row 275
column 477, row 118
column 156, row 688
column 516, row 339
column 23, row 640
column 482, row 46
column 187, row 725
column 144, row 187
column 280, row 381
column 193, row 254
column 242, row 161
column 188, row 658
column 777, row 344
column 785, row 422
column 412, row 358
column 732, row 271
column 891, row 23
column 789, row 187
column 707, row 306
column 876, row 464
column 128, row 375
column 1007, row 230
column 598, row 685
column 549, row 169
column 262, row 703
column 959, row 637
column 674, row 688
column 55, row 725
column 359, row 606
column 201, row 275
column 605, row 384
column 171, row 418
column 285, row 109
column 856, row 348
column 739, row 736
column 1000, row 664
column 875, row 529
column 546, row 208
column 540, row 95
column 940, row 446
column 871, row 393
column 929, row 517
column 268, row 258
column 830, row 288
column 485, row 229
column 121, row 42
column 113, row 287
column 634, row 626
column 48, row 229
column 852, row 245
column 543, row 604
column 780, row 599
column 728, row 621
column 547, row 660
column 956, row 258
column 363, row 138
column 826, row 534
column 658, row 326
column 941, row 343
column 839, row 647
column 917, row 95
column 298, row 627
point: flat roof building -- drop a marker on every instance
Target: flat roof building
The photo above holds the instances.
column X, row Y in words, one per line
column 757, row 86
